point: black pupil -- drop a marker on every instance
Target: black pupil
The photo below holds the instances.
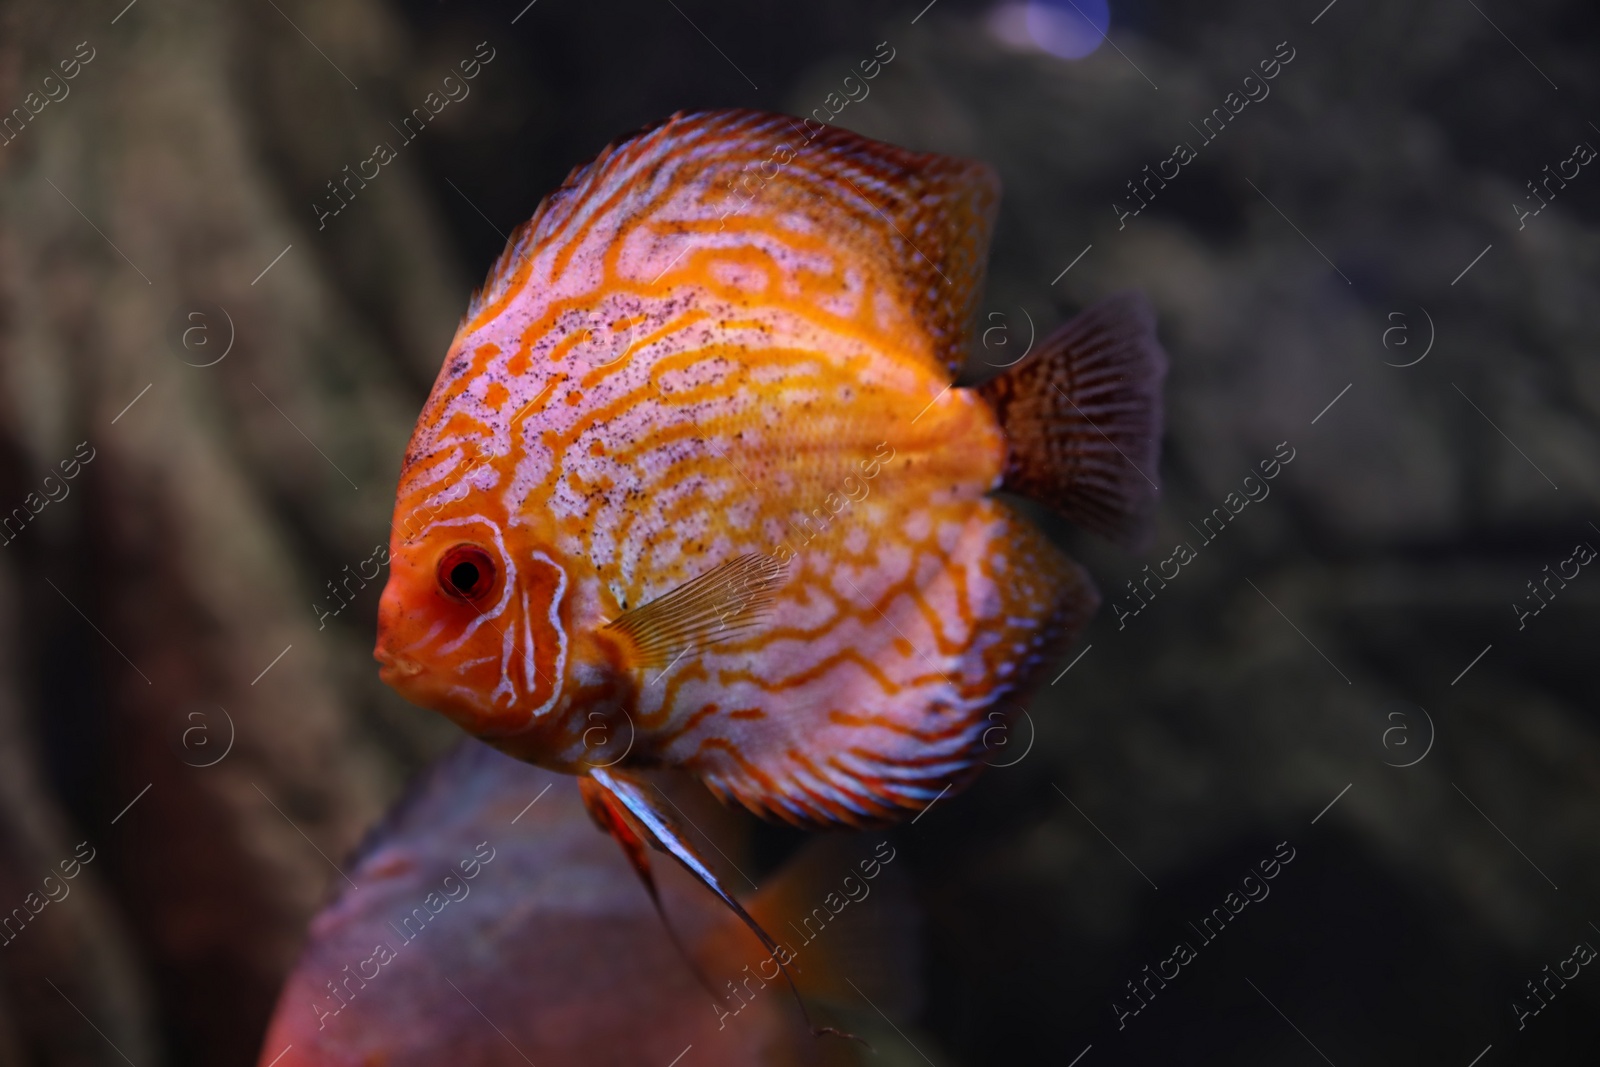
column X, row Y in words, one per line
column 464, row 576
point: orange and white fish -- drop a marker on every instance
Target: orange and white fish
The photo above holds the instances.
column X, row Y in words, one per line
column 695, row 486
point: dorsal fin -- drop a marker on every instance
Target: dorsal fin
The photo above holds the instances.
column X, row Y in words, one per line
column 922, row 220
column 934, row 213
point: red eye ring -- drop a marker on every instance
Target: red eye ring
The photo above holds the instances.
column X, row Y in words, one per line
column 466, row 572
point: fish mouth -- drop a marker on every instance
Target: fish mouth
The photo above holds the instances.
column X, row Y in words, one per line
column 395, row 668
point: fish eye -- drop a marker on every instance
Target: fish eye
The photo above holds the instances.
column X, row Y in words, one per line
column 466, row 572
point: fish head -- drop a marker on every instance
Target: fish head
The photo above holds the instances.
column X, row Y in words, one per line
column 470, row 623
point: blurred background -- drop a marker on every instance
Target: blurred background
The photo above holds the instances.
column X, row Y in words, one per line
column 206, row 385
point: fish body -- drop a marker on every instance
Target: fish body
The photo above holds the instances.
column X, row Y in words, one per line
column 487, row 924
column 695, row 487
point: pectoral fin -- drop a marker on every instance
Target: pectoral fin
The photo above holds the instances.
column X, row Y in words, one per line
column 719, row 604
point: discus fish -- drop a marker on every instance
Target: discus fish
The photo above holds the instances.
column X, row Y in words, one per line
column 696, row 487
column 492, row 926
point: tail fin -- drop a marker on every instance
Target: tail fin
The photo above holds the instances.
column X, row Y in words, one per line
column 1083, row 418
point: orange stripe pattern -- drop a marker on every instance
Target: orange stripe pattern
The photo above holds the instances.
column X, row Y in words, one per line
column 674, row 364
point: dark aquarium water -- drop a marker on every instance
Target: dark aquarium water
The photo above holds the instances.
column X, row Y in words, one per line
column 1317, row 783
